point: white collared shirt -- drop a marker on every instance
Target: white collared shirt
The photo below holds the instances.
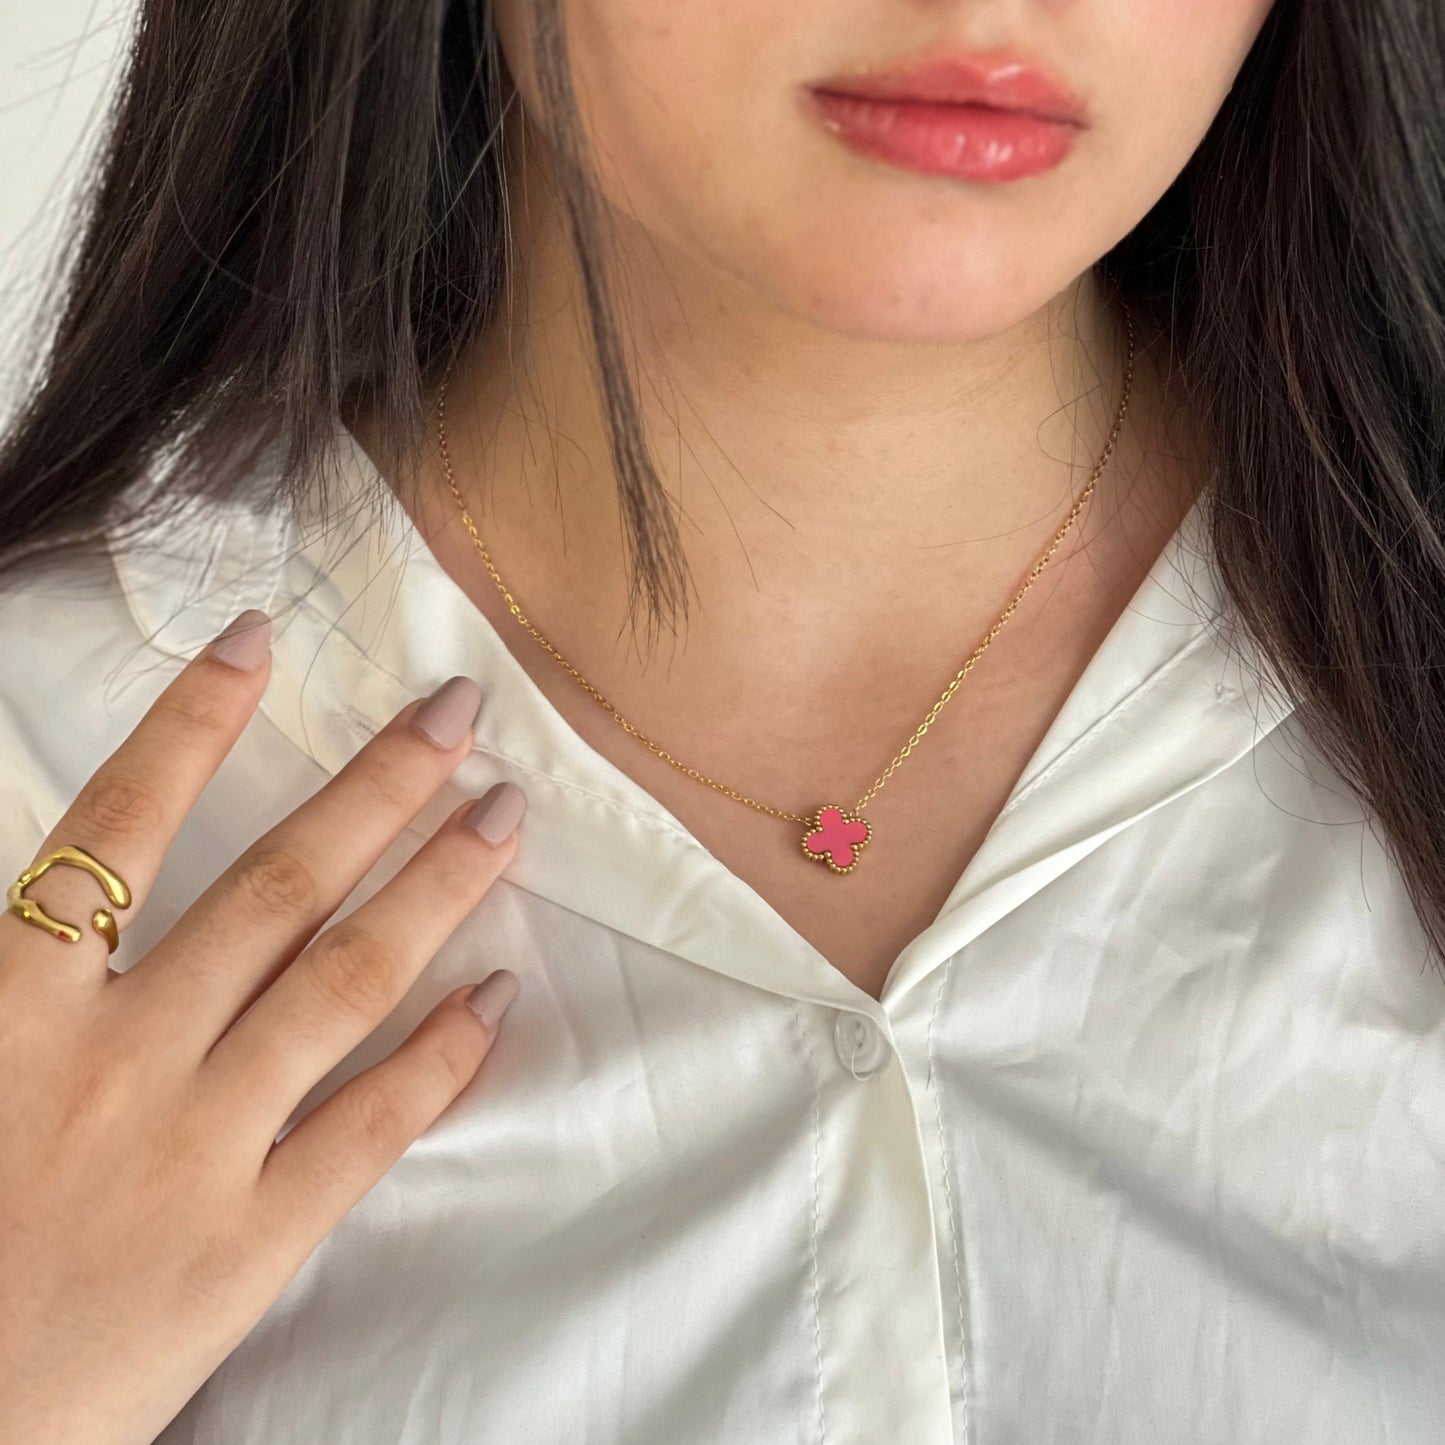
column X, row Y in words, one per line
column 1144, row 1143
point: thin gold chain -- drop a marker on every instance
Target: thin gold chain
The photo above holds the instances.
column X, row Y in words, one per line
column 948, row 692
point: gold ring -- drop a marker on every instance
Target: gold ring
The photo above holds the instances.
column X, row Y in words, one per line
column 102, row 920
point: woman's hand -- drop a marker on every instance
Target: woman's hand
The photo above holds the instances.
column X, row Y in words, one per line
column 148, row 1215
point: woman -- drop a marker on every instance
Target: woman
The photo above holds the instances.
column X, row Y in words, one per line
column 968, row 998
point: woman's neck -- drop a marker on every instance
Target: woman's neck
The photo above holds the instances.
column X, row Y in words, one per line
column 837, row 495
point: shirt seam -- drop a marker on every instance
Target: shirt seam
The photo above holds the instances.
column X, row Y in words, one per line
column 955, row 1221
column 817, row 1210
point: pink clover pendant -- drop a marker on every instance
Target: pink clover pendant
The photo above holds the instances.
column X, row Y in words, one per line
column 836, row 837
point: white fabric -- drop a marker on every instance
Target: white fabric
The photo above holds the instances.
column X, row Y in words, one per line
column 1152, row 1148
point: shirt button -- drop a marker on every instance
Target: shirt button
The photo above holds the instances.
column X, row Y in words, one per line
column 860, row 1044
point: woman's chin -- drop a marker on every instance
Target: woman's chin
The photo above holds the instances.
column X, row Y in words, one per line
column 940, row 300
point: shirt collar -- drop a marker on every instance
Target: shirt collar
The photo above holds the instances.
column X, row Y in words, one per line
column 365, row 619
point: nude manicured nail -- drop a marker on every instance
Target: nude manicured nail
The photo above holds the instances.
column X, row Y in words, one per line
column 493, row 996
column 446, row 717
column 245, row 641
column 497, row 812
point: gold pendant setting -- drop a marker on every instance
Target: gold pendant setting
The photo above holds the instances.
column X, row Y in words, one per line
column 836, row 837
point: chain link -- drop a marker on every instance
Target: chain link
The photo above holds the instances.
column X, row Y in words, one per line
column 948, row 692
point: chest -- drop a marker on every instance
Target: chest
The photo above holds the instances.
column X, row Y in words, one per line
column 927, row 822
column 924, row 829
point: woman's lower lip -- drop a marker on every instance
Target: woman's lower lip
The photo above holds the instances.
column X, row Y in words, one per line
column 973, row 142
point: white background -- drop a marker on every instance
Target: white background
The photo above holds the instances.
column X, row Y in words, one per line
column 58, row 63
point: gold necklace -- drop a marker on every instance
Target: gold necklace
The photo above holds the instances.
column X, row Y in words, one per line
column 832, row 835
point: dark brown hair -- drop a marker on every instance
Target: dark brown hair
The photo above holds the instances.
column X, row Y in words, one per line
column 298, row 209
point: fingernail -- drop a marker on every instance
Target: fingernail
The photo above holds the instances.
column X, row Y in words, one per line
column 245, row 641
column 493, row 996
column 497, row 812
column 446, row 717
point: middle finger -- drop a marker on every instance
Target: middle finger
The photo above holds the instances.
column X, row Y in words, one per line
column 355, row 972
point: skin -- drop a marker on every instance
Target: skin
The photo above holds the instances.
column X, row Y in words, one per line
column 847, row 371
column 853, row 372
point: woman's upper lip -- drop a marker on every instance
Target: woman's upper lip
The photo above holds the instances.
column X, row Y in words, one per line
column 962, row 77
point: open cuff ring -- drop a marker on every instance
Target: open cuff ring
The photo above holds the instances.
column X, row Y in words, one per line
column 102, row 920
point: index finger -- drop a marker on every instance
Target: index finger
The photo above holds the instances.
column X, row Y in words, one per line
column 129, row 811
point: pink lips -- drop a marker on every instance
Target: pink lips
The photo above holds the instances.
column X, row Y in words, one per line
column 976, row 117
